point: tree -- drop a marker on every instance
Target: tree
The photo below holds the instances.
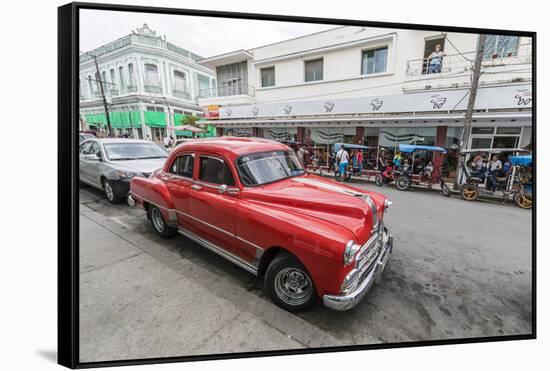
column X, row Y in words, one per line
column 191, row 120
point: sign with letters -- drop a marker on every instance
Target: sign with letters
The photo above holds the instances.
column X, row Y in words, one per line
column 507, row 97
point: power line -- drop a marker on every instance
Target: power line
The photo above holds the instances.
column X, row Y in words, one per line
column 458, row 51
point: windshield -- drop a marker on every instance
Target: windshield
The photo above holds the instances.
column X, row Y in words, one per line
column 133, row 151
column 267, row 167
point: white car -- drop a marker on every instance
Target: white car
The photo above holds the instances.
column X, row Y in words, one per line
column 109, row 164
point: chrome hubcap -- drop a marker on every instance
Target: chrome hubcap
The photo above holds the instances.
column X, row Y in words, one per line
column 293, row 286
column 158, row 222
column 109, row 191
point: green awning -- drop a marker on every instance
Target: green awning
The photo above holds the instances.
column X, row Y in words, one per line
column 119, row 119
column 157, row 119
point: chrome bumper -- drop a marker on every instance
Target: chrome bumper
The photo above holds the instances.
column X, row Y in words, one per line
column 348, row 301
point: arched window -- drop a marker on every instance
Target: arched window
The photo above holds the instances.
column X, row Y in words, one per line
column 121, row 76
column 151, row 75
column 180, row 82
column 130, row 74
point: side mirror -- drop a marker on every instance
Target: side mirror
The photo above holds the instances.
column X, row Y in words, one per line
column 92, row 157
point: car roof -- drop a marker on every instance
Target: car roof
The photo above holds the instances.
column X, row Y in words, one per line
column 233, row 146
column 123, row 140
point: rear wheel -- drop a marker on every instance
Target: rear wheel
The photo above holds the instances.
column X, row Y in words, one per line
column 289, row 285
column 159, row 224
column 524, row 200
column 469, row 192
column 110, row 193
column 403, row 182
column 445, row 190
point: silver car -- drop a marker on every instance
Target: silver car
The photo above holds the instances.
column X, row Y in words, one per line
column 110, row 164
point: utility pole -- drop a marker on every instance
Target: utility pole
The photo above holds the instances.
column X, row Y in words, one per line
column 476, row 73
column 102, row 91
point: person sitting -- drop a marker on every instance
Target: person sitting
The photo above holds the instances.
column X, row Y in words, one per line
column 406, row 166
column 428, row 169
column 495, row 166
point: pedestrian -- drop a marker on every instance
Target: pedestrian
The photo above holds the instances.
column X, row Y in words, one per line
column 342, row 159
column 435, row 60
column 300, row 155
column 360, row 161
column 166, row 141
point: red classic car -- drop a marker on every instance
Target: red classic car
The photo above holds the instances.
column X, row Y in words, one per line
column 250, row 201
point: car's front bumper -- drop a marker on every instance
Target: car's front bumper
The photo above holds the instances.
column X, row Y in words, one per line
column 350, row 300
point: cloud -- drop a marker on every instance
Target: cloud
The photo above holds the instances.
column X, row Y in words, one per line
column 206, row 36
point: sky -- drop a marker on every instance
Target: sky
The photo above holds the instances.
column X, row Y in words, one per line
column 205, row 36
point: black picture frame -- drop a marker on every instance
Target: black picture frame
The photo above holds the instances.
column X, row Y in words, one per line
column 68, row 206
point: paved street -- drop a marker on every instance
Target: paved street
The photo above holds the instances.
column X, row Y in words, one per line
column 458, row 270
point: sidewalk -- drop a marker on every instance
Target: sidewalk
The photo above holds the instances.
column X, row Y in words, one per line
column 139, row 299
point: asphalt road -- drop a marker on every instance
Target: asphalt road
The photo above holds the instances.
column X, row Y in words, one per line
column 459, row 270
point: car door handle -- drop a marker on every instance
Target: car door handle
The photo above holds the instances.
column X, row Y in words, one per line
column 196, row 187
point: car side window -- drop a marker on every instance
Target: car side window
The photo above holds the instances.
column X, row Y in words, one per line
column 216, row 171
column 183, row 166
column 94, row 149
column 84, row 148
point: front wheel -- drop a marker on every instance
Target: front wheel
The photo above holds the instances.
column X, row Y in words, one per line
column 445, row 190
column 159, row 224
column 110, row 193
column 403, row 182
column 469, row 192
column 378, row 180
column 289, row 285
column 524, row 200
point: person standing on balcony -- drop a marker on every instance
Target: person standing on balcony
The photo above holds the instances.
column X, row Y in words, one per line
column 435, row 60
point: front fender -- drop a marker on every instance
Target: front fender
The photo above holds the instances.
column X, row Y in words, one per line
column 318, row 244
column 152, row 191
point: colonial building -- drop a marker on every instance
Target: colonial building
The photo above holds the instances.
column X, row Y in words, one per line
column 374, row 86
column 150, row 84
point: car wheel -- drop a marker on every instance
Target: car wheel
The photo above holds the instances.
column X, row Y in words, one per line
column 378, row 180
column 289, row 284
column 469, row 192
column 159, row 224
column 110, row 193
column 402, row 182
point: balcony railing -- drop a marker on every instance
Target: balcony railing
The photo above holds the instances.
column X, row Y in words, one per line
column 131, row 89
column 180, row 93
column 153, row 89
column 113, row 92
column 457, row 62
column 224, row 91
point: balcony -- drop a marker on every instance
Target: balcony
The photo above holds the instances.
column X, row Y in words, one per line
column 131, row 89
column 225, row 91
column 113, row 92
column 153, row 89
column 181, row 94
column 456, row 63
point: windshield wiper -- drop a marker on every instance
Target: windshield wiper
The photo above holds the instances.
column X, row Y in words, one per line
column 123, row 159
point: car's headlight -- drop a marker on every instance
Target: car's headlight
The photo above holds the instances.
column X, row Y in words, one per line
column 352, row 248
column 125, row 174
column 387, row 204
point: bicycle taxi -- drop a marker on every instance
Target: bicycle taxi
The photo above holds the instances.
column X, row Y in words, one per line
column 511, row 183
column 426, row 175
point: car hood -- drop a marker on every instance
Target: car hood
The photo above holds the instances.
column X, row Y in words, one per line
column 324, row 199
column 143, row 166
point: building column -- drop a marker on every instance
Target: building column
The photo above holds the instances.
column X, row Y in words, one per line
column 440, row 141
column 301, row 135
column 219, row 132
column 359, row 134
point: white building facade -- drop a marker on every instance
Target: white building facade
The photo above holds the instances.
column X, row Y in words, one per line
column 150, row 85
column 374, row 86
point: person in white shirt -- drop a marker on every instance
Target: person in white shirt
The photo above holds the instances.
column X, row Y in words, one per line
column 495, row 165
column 435, row 60
column 166, row 141
column 342, row 159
